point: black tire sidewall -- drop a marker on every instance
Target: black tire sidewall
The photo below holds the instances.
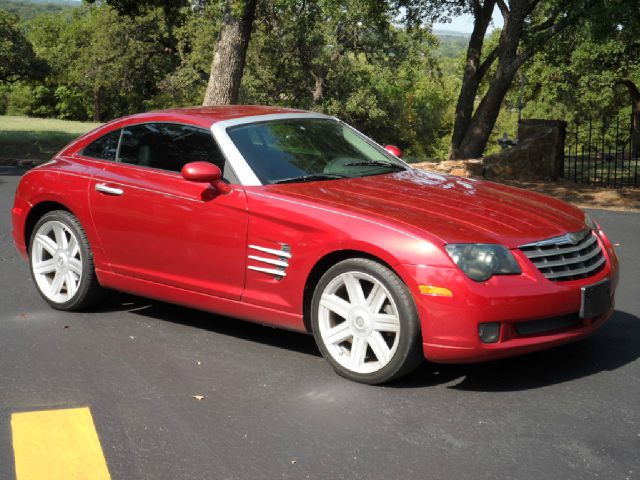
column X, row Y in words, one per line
column 409, row 352
column 72, row 223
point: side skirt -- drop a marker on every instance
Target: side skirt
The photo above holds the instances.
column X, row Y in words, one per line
column 201, row 301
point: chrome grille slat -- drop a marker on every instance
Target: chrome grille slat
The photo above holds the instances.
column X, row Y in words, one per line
column 565, row 261
column 578, row 272
column 568, row 257
column 559, row 250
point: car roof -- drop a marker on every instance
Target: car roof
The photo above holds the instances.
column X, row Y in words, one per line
column 203, row 117
column 207, row 116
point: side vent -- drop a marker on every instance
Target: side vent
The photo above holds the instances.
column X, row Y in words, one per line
column 276, row 264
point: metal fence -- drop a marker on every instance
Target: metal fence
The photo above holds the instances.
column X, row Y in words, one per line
column 602, row 152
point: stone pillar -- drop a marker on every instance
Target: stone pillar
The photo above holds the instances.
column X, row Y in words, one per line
column 539, row 154
column 549, row 135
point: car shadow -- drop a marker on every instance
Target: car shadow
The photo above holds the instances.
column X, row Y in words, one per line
column 614, row 345
column 253, row 332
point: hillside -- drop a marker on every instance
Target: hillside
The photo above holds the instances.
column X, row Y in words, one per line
column 27, row 9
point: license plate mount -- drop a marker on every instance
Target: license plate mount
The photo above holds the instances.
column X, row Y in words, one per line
column 596, row 299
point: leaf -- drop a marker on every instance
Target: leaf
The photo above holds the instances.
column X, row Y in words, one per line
column 199, row 397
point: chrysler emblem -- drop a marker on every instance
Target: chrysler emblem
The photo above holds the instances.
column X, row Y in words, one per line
column 574, row 238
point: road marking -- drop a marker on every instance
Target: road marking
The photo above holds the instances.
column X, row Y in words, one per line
column 57, row 445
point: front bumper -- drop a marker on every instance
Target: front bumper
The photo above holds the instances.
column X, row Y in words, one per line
column 450, row 324
column 18, row 219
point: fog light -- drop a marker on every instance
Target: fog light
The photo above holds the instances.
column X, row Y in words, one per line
column 489, row 332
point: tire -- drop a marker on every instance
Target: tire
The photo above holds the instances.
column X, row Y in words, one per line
column 61, row 263
column 365, row 322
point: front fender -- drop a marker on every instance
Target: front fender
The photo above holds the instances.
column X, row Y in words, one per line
column 309, row 234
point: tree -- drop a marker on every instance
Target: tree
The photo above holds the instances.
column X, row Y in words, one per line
column 227, row 67
column 231, row 45
column 102, row 65
column 528, row 26
column 17, row 59
column 348, row 59
column 593, row 70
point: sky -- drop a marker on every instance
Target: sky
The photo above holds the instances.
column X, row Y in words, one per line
column 464, row 23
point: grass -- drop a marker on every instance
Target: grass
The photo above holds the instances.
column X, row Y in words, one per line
column 37, row 138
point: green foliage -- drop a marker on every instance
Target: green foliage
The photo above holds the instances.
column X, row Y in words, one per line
column 17, row 60
column 19, row 100
column 357, row 66
column 107, row 64
column 371, row 63
column 579, row 75
column 69, row 103
column 26, row 99
column 194, row 37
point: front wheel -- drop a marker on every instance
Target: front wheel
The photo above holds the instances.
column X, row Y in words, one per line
column 62, row 263
column 365, row 322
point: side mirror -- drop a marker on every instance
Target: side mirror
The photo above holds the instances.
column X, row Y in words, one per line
column 393, row 150
column 205, row 172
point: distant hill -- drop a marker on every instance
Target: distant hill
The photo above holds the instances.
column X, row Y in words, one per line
column 450, row 33
column 452, row 44
column 27, row 9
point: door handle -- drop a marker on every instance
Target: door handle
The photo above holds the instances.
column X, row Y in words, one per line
column 101, row 187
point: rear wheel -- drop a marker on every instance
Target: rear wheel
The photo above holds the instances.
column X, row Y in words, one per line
column 365, row 322
column 62, row 263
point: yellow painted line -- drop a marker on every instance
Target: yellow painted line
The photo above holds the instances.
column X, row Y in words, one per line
column 57, row 445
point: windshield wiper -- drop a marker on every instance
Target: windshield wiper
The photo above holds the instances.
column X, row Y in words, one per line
column 311, row 178
column 374, row 163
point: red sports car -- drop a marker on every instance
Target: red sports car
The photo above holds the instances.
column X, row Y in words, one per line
column 294, row 219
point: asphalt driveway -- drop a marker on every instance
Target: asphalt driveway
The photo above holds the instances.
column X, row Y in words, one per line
column 272, row 408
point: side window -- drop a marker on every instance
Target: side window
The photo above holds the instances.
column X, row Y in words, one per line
column 104, row 148
column 168, row 146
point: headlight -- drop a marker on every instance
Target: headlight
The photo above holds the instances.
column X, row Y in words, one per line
column 480, row 261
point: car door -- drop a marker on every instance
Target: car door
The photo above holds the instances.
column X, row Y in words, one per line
column 157, row 226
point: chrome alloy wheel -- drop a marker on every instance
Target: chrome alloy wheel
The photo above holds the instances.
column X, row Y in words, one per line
column 56, row 261
column 359, row 322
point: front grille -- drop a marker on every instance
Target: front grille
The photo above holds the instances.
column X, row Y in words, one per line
column 568, row 257
column 547, row 325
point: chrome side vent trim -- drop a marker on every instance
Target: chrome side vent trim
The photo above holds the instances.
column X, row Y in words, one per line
column 276, row 266
column 278, row 253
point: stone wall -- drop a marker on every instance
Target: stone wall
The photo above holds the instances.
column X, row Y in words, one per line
column 539, row 155
column 460, row 168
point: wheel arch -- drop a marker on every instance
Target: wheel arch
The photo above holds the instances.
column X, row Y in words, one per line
column 321, row 266
column 36, row 212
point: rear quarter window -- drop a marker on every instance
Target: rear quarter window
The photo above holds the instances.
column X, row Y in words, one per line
column 104, row 148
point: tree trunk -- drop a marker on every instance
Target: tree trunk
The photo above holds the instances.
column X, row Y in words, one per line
column 635, row 132
column 231, row 51
column 318, row 88
column 471, row 141
column 484, row 119
column 97, row 104
column 471, row 78
column 634, row 93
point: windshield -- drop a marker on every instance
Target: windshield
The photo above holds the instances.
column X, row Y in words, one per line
column 309, row 149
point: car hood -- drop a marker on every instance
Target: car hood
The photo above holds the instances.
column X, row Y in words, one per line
column 453, row 209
